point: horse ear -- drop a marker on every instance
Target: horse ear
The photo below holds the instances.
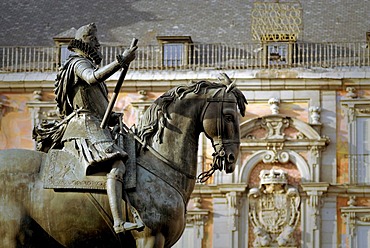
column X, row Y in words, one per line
column 230, row 87
column 224, row 78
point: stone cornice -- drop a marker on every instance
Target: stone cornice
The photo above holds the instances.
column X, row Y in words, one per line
column 298, row 79
column 218, row 189
column 346, row 190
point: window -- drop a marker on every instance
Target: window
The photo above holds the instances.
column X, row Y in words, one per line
column 173, row 54
column 363, row 149
column 175, row 50
column 278, row 48
column 64, row 53
column 277, row 53
column 363, row 236
column 358, row 122
column 61, row 42
column 357, row 221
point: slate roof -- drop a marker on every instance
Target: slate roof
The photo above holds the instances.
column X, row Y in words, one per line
column 36, row 22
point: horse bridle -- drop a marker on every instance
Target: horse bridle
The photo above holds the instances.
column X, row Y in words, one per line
column 218, row 145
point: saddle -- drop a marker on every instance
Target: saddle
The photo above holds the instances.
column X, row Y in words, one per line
column 62, row 170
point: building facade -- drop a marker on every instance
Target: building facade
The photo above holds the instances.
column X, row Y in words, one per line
column 302, row 177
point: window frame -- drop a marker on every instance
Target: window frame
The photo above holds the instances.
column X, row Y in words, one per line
column 282, row 57
column 184, row 52
column 62, row 51
column 355, row 110
column 355, row 218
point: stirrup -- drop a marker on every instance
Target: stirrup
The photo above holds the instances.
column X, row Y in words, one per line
column 126, row 226
column 138, row 220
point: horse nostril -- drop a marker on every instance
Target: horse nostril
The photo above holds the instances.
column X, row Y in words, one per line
column 231, row 158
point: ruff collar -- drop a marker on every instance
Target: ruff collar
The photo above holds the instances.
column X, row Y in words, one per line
column 86, row 49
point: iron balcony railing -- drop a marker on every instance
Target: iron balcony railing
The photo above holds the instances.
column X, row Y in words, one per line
column 203, row 56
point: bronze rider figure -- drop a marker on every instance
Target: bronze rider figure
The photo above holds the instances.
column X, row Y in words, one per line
column 80, row 88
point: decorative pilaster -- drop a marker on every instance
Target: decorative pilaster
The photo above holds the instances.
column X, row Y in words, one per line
column 197, row 218
column 315, row 191
column 142, row 104
column 234, row 204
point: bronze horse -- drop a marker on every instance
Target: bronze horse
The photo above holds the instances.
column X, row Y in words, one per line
column 32, row 216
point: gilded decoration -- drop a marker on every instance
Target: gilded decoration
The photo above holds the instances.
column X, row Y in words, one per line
column 276, row 21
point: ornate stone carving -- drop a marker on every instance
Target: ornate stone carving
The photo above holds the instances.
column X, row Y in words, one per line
column 365, row 218
column 274, row 210
column 274, row 154
column 351, row 92
column 275, row 127
column 315, row 114
column 274, row 105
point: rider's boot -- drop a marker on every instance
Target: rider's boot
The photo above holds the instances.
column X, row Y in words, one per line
column 114, row 191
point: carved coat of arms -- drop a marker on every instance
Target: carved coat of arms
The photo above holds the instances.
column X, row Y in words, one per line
column 274, row 210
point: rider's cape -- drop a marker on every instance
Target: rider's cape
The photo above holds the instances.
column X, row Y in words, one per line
column 49, row 134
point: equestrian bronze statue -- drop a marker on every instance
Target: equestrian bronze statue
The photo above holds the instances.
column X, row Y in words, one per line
column 71, row 192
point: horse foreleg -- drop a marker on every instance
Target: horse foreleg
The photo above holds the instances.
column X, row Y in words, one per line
column 151, row 241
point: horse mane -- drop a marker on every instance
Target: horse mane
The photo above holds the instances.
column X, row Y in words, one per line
column 153, row 120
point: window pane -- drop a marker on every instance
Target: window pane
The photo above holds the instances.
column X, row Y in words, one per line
column 173, row 54
column 363, row 150
column 363, row 236
column 64, row 53
column 277, row 53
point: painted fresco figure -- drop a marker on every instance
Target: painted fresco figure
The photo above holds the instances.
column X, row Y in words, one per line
column 82, row 98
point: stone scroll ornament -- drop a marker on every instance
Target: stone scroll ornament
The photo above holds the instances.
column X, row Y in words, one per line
column 274, row 210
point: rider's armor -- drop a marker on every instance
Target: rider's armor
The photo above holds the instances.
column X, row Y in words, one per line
column 82, row 99
column 83, row 133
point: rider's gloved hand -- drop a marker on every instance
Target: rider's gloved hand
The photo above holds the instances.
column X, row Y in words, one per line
column 114, row 119
column 127, row 56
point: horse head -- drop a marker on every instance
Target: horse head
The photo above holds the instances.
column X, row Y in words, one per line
column 220, row 121
column 202, row 106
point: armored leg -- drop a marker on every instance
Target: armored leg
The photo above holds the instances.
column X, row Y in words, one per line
column 114, row 191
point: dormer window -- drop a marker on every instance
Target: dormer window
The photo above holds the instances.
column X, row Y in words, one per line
column 61, row 41
column 278, row 47
column 175, row 50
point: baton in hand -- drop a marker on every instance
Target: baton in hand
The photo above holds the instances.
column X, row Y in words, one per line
column 116, row 90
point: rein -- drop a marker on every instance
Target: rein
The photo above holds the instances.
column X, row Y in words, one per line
column 157, row 154
column 219, row 154
column 219, row 145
